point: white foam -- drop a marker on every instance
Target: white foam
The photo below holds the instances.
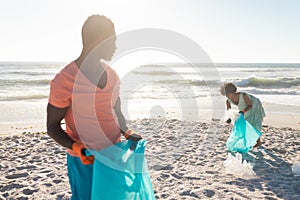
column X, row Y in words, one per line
column 234, row 165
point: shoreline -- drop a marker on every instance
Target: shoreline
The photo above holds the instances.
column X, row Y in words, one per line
column 21, row 117
column 282, row 116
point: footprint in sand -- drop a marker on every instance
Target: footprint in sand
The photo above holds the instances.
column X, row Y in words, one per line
column 11, row 186
column 14, row 176
column 208, row 193
column 29, row 191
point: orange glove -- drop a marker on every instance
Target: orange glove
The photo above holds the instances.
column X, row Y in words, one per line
column 130, row 135
column 78, row 147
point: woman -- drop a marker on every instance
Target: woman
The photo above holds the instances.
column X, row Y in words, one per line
column 250, row 106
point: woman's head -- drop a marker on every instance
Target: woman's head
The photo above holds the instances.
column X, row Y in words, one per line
column 228, row 88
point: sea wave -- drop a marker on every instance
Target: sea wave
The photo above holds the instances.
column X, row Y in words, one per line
column 187, row 82
column 155, row 73
column 254, row 82
column 24, row 97
column 269, row 82
column 31, row 73
column 25, row 82
column 272, row 91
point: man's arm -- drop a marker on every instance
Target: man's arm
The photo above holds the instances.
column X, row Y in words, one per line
column 54, row 117
column 121, row 118
column 128, row 133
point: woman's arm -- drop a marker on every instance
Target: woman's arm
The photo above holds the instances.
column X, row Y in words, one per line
column 248, row 102
column 228, row 104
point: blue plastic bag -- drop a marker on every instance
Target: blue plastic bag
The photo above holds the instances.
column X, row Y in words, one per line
column 121, row 173
column 243, row 136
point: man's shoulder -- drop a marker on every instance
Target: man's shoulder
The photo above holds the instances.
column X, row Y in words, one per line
column 68, row 71
column 70, row 68
column 65, row 77
column 111, row 71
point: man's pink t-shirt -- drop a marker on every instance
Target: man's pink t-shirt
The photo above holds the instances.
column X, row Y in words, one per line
column 90, row 117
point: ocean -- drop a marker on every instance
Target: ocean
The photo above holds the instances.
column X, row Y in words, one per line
column 161, row 87
column 264, row 80
column 30, row 81
column 26, row 81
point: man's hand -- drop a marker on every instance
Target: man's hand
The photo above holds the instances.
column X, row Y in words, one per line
column 79, row 148
column 130, row 135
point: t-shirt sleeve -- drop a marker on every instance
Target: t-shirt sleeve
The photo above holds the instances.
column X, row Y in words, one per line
column 60, row 94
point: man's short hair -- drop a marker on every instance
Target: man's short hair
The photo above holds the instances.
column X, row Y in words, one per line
column 96, row 28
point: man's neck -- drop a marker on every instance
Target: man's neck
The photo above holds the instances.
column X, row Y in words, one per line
column 91, row 68
column 81, row 58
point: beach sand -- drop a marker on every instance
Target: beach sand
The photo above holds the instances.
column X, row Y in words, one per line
column 185, row 160
column 18, row 117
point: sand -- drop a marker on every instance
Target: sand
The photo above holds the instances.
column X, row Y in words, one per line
column 18, row 117
column 185, row 160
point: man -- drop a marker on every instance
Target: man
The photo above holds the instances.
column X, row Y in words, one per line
column 85, row 93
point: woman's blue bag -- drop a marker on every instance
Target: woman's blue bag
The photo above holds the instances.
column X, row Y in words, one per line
column 243, row 136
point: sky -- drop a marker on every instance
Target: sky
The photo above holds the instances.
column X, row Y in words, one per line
column 228, row 30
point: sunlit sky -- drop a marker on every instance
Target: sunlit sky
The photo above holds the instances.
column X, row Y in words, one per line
column 228, row 30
